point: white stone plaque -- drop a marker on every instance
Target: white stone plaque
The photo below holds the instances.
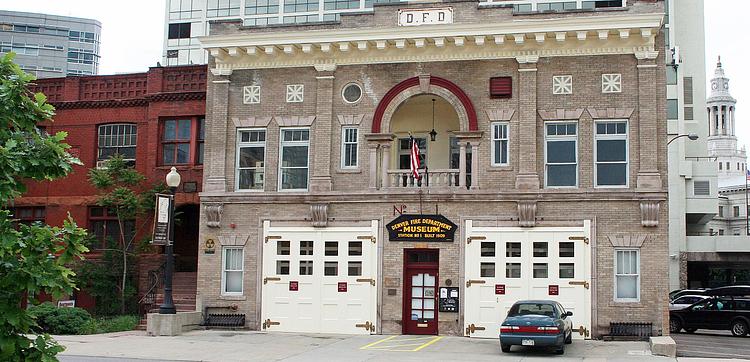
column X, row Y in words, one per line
column 433, row 16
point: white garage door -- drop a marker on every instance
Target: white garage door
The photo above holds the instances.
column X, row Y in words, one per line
column 504, row 265
column 319, row 280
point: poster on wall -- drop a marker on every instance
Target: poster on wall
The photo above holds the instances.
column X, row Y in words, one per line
column 421, row 228
column 161, row 219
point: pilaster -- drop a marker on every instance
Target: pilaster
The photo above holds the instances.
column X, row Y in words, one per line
column 321, row 174
column 527, row 178
column 648, row 140
column 217, row 120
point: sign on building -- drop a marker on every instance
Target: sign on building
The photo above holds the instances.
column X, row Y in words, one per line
column 416, row 17
column 421, row 228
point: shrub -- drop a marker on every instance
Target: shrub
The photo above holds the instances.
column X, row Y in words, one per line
column 54, row 320
column 109, row 325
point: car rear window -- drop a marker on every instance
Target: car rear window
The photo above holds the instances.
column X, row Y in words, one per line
column 522, row 309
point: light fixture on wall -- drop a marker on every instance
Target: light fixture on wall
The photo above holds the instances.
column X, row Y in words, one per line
column 433, row 134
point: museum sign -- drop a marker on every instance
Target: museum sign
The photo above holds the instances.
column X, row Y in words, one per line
column 421, row 228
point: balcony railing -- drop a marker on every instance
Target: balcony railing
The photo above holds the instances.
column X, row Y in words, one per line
column 433, row 179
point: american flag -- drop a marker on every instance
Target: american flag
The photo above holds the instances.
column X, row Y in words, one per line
column 414, row 156
column 747, row 175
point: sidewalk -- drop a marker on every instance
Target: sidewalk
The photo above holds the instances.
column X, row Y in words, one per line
column 258, row 346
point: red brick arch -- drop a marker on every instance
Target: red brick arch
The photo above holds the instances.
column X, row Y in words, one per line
column 414, row 82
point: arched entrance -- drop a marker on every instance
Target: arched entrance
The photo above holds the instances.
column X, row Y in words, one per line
column 407, row 109
column 186, row 238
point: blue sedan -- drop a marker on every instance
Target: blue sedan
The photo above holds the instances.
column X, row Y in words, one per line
column 537, row 323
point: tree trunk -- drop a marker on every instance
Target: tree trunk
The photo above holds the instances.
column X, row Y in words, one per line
column 124, row 264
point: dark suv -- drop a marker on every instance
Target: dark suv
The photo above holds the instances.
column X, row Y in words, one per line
column 718, row 313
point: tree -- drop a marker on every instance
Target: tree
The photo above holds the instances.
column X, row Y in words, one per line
column 33, row 259
column 123, row 191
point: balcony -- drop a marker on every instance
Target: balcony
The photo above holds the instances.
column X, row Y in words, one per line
column 429, row 179
column 718, row 244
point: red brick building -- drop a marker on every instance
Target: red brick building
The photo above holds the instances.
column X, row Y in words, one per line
column 155, row 120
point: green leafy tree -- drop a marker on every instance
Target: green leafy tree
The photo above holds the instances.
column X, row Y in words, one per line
column 33, row 259
column 124, row 192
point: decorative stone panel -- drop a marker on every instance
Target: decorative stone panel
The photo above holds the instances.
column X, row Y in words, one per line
column 251, row 122
column 628, row 240
column 611, row 113
column 233, row 240
column 319, row 215
column 294, row 121
column 527, row 213
column 213, row 214
column 424, row 83
column 650, row 213
column 350, row 120
column 497, row 115
column 561, row 114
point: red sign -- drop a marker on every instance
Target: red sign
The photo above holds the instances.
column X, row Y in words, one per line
column 554, row 290
column 500, row 289
column 342, row 287
column 293, row 286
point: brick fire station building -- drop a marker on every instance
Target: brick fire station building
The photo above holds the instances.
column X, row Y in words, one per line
column 155, row 120
column 542, row 137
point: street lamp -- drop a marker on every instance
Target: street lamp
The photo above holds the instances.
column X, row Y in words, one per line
column 691, row 136
column 173, row 180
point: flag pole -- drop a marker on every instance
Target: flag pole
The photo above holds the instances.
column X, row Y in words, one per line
column 747, row 208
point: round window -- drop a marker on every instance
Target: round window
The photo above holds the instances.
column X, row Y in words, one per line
column 352, row 93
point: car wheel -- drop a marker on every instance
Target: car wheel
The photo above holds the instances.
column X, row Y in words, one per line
column 739, row 328
column 505, row 347
column 569, row 340
column 561, row 349
column 690, row 330
column 674, row 325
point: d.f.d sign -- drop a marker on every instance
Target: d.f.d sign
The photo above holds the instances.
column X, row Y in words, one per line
column 421, row 228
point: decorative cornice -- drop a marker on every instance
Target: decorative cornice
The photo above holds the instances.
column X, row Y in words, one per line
column 527, row 213
column 650, row 213
column 496, row 115
column 213, row 214
column 319, row 215
column 561, row 114
column 133, row 102
column 611, row 113
column 251, row 122
column 293, row 121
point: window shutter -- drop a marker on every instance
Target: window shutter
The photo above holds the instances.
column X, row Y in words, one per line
column 501, row 87
column 687, row 87
column 702, row 188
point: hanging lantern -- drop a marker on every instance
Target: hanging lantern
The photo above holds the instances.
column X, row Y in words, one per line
column 433, row 133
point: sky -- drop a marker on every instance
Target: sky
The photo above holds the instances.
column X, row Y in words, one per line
column 132, row 39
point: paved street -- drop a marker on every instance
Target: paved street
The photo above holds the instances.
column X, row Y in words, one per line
column 712, row 344
column 256, row 346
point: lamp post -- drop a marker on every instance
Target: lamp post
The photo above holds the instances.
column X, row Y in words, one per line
column 691, row 136
column 173, row 180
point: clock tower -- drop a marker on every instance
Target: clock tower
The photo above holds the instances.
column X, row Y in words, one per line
column 722, row 142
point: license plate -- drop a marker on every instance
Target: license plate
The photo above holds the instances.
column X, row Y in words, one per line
column 527, row 342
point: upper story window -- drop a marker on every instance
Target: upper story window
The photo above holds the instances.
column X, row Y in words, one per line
column 500, row 144
column 251, row 157
column 736, row 211
column 182, row 141
column 179, row 31
column 28, row 215
column 611, row 154
column 217, row 8
column 561, row 154
column 349, row 147
column 294, row 159
column 117, row 139
column 82, row 36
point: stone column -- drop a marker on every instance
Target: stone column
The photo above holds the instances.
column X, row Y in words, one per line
column 217, row 119
column 528, row 177
column 462, row 164
column 474, row 165
column 385, row 151
column 323, row 130
column 372, row 149
column 648, row 118
column 711, row 121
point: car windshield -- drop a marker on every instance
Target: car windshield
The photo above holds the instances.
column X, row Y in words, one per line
column 522, row 309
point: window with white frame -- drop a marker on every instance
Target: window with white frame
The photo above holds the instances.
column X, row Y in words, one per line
column 349, row 147
column 562, row 84
column 500, row 144
column 611, row 154
column 294, row 158
column 561, row 154
column 251, row 159
column 232, row 269
column 251, row 94
column 627, row 275
column 611, row 83
column 117, row 139
column 295, row 93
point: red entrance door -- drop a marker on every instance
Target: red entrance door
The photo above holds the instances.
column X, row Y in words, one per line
column 420, row 314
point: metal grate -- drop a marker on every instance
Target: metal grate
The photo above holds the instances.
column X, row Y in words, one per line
column 224, row 320
column 639, row 330
column 702, row 188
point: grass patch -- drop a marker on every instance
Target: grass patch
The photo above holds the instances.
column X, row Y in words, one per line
column 110, row 324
